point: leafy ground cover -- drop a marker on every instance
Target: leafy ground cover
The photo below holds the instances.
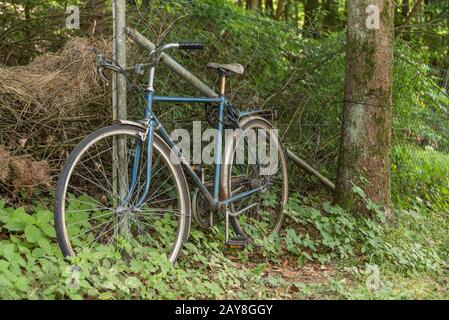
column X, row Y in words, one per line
column 322, row 253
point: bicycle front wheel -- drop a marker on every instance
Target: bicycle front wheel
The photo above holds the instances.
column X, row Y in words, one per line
column 98, row 205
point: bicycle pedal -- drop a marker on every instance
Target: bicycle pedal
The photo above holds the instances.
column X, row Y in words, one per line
column 236, row 243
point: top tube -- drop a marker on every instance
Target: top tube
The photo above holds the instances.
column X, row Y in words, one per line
column 188, row 99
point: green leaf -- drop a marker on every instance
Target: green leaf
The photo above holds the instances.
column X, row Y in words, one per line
column 38, row 252
column 48, row 229
column 3, row 264
column 32, row 233
column 307, row 256
column 20, row 216
column 14, row 226
column 105, row 295
column 45, row 245
column 43, row 216
column 7, row 251
column 301, row 261
column 22, row 284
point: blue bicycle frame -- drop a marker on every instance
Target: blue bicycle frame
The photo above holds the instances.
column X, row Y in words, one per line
column 153, row 124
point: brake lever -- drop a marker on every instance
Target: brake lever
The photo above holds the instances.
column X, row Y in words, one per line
column 139, row 69
column 99, row 61
column 103, row 78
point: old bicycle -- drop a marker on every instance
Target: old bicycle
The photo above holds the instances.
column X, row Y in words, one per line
column 127, row 181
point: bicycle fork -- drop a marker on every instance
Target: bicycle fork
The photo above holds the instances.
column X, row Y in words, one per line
column 148, row 137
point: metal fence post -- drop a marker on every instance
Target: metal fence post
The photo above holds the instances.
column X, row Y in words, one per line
column 119, row 99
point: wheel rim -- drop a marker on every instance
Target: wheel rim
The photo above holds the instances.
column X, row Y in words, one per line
column 264, row 220
column 94, row 213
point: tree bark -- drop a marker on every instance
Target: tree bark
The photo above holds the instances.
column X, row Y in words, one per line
column 405, row 9
column 286, row 10
column 405, row 32
column 269, row 7
column 309, row 7
column 279, row 9
column 252, row 4
column 447, row 51
column 296, row 13
column 415, row 10
column 331, row 17
column 364, row 158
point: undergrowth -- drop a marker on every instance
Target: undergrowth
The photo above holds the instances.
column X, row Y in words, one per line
column 31, row 265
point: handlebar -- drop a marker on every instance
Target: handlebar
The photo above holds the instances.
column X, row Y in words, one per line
column 104, row 62
column 191, row 45
column 156, row 53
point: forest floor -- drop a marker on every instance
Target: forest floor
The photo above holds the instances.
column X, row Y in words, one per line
column 401, row 267
column 338, row 281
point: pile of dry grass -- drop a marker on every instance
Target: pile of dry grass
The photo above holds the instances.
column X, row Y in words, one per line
column 22, row 172
column 47, row 105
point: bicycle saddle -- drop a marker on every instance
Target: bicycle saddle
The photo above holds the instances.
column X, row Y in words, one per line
column 226, row 69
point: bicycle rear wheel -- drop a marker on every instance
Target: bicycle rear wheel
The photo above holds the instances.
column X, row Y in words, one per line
column 96, row 206
column 247, row 166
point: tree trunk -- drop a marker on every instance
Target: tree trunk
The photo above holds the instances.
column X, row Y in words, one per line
column 330, row 19
column 296, row 13
column 252, row 4
column 286, row 10
column 269, row 7
column 364, row 158
column 28, row 8
column 447, row 52
column 309, row 7
column 405, row 31
column 405, row 9
column 279, row 9
column 415, row 11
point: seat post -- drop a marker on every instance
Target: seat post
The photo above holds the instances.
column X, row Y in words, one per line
column 222, row 84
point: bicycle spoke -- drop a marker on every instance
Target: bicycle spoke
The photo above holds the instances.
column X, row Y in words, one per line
column 95, row 214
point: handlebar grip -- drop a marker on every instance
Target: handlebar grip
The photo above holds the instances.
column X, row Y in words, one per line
column 190, row 45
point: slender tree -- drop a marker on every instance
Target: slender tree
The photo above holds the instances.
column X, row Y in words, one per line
column 269, row 7
column 331, row 6
column 287, row 10
column 279, row 9
column 364, row 158
column 309, row 7
column 447, row 49
column 405, row 8
column 252, row 4
column 296, row 6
